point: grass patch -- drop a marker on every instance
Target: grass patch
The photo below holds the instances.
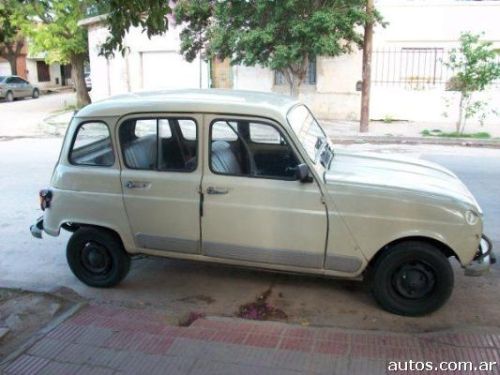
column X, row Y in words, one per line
column 439, row 133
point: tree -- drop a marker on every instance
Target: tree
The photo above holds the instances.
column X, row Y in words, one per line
column 11, row 38
column 475, row 66
column 280, row 35
column 54, row 30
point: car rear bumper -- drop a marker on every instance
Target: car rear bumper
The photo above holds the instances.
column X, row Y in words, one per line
column 483, row 259
column 37, row 228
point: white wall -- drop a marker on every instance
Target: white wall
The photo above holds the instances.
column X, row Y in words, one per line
column 32, row 74
column 149, row 64
column 4, row 68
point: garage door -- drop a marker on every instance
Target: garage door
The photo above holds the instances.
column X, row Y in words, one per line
column 4, row 68
column 169, row 70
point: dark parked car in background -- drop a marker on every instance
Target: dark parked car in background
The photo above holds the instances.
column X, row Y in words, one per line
column 14, row 87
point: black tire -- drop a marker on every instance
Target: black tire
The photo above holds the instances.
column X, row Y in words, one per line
column 97, row 257
column 412, row 278
column 35, row 94
column 9, row 96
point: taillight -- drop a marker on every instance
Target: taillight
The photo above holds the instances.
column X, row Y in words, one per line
column 45, row 198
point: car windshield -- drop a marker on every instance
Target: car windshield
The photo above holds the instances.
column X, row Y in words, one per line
column 311, row 135
column 2, row 78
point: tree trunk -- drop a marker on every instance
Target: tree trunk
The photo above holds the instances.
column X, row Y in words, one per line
column 367, row 68
column 294, row 78
column 77, row 74
column 460, row 113
column 12, row 59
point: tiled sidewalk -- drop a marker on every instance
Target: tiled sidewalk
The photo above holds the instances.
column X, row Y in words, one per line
column 102, row 340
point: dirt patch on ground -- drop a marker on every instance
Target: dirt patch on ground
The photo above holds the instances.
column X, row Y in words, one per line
column 24, row 313
column 261, row 309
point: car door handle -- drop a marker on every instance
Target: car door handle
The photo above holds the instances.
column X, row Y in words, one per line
column 138, row 184
column 217, row 190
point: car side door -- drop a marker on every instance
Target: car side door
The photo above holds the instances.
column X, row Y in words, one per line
column 13, row 86
column 254, row 207
column 161, row 175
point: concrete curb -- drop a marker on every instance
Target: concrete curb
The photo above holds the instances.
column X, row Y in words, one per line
column 373, row 139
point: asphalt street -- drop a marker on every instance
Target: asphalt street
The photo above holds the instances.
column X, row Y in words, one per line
column 22, row 117
column 180, row 287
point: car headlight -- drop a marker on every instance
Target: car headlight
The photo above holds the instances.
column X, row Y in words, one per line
column 471, row 217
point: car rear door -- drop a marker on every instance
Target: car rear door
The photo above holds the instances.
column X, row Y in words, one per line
column 254, row 208
column 161, row 175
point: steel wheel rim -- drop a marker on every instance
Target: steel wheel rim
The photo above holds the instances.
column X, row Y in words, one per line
column 414, row 280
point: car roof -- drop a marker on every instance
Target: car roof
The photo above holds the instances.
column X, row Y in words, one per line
column 252, row 103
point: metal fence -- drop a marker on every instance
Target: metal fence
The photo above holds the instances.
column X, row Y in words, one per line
column 412, row 68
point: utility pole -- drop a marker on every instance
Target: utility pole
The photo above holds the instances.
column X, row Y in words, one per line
column 367, row 68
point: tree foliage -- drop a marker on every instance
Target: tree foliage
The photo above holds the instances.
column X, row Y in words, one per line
column 11, row 38
column 150, row 15
column 53, row 30
column 281, row 35
column 475, row 65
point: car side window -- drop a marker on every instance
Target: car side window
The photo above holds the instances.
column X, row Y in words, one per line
column 250, row 149
column 159, row 144
column 92, row 145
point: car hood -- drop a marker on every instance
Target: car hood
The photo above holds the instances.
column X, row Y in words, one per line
column 394, row 172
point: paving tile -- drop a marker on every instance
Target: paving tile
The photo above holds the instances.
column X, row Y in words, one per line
column 328, row 365
column 300, row 332
column 139, row 363
column 47, row 348
column 107, row 358
column 229, row 336
column 366, row 366
column 331, row 335
column 94, row 370
column 76, row 353
column 263, row 341
column 26, row 365
column 333, row 348
column 195, row 333
column 94, row 336
column 222, row 368
column 291, row 360
column 154, row 345
column 173, row 365
column 68, row 332
column 187, row 347
column 294, row 343
column 58, row 368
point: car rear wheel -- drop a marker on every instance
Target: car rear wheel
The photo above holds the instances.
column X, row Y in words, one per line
column 97, row 257
column 35, row 94
column 412, row 278
column 9, row 97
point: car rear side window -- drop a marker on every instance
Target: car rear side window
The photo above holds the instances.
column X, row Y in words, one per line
column 163, row 144
column 92, row 145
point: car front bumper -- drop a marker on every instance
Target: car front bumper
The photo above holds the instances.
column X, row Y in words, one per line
column 483, row 259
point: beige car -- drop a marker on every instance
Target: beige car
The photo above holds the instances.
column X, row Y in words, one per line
column 251, row 179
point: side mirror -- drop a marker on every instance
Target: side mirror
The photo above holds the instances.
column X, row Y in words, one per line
column 303, row 174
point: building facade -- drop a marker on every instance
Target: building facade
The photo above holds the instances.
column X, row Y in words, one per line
column 408, row 71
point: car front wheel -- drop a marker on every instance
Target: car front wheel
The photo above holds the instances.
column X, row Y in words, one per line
column 35, row 94
column 97, row 257
column 9, row 97
column 412, row 278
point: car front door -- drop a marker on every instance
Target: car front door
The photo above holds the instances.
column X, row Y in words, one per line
column 254, row 208
column 161, row 175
